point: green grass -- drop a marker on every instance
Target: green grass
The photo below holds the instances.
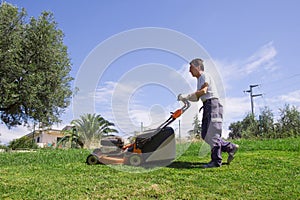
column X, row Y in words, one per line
column 264, row 169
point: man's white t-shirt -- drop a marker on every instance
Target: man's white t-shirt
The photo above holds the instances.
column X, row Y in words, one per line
column 212, row 91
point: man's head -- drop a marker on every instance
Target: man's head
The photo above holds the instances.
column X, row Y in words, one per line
column 196, row 66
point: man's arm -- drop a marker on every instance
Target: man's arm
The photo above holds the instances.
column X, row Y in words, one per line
column 202, row 91
column 195, row 95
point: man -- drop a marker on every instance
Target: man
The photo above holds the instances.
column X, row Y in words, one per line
column 212, row 114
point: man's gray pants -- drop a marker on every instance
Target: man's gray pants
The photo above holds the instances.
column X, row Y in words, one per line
column 212, row 130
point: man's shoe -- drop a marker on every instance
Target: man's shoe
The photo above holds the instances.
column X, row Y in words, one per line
column 231, row 153
column 211, row 164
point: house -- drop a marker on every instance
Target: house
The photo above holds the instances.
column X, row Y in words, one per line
column 46, row 138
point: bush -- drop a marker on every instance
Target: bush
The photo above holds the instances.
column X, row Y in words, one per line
column 5, row 148
column 265, row 127
column 22, row 143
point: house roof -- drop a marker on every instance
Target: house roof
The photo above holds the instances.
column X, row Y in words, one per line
column 54, row 132
column 68, row 128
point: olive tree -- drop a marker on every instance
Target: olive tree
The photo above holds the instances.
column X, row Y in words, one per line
column 266, row 123
column 289, row 122
column 34, row 68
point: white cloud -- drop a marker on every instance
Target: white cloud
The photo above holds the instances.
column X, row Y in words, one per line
column 263, row 58
column 9, row 134
column 103, row 94
column 291, row 98
column 236, row 107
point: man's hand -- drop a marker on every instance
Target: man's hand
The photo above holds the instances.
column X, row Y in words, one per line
column 180, row 97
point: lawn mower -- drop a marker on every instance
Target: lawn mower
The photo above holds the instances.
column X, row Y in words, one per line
column 154, row 147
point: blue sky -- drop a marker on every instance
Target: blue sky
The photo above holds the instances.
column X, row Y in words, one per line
column 249, row 42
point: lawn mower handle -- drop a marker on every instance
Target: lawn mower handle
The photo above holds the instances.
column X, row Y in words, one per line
column 186, row 105
column 179, row 112
column 176, row 114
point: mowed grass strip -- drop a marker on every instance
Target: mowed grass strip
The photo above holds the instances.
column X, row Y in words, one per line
column 262, row 169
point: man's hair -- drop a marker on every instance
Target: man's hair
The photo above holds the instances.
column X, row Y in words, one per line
column 197, row 62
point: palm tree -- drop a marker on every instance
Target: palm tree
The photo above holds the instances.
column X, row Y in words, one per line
column 71, row 139
column 91, row 127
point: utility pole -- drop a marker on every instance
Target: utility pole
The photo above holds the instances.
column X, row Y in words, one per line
column 142, row 128
column 252, row 96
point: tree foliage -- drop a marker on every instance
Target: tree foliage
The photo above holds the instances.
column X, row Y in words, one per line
column 22, row 143
column 288, row 125
column 235, row 130
column 71, row 139
column 34, row 68
column 266, row 122
column 289, row 122
column 196, row 132
column 92, row 127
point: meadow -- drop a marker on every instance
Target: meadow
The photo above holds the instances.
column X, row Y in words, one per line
column 262, row 169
